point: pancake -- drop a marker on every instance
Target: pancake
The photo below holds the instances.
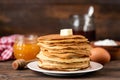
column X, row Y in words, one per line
column 63, row 67
column 64, row 55
column 64, row 52
column 58, row 37
column 61, row 60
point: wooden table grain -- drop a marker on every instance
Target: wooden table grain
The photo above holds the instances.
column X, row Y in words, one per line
column 111, row 71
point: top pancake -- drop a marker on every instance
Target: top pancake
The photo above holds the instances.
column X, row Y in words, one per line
column 58, row 37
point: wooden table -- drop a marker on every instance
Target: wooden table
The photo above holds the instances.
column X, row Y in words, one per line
column 111, row 71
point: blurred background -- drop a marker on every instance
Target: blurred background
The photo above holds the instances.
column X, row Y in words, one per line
column 47, row 16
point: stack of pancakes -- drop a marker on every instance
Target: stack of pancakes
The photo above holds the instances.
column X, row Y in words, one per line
column 63, row 52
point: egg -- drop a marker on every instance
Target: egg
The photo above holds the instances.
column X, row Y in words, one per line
column 100, row 55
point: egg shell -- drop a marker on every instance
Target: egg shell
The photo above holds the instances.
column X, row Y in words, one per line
column 100, row 55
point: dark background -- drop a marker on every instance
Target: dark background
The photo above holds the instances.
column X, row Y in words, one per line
column 44, row 16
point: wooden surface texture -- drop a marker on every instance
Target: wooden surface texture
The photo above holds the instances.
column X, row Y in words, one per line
column 111, row 71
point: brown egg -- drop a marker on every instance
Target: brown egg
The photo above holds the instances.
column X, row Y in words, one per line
column 100, row 55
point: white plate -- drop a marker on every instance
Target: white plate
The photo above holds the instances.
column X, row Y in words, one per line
column 94, row 66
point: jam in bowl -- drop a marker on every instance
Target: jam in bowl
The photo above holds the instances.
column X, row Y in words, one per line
column 25, row 47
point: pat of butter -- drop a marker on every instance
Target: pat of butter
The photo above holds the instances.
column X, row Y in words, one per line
column 66, row 32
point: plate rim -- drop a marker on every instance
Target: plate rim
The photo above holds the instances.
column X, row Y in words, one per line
column 64, row 72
